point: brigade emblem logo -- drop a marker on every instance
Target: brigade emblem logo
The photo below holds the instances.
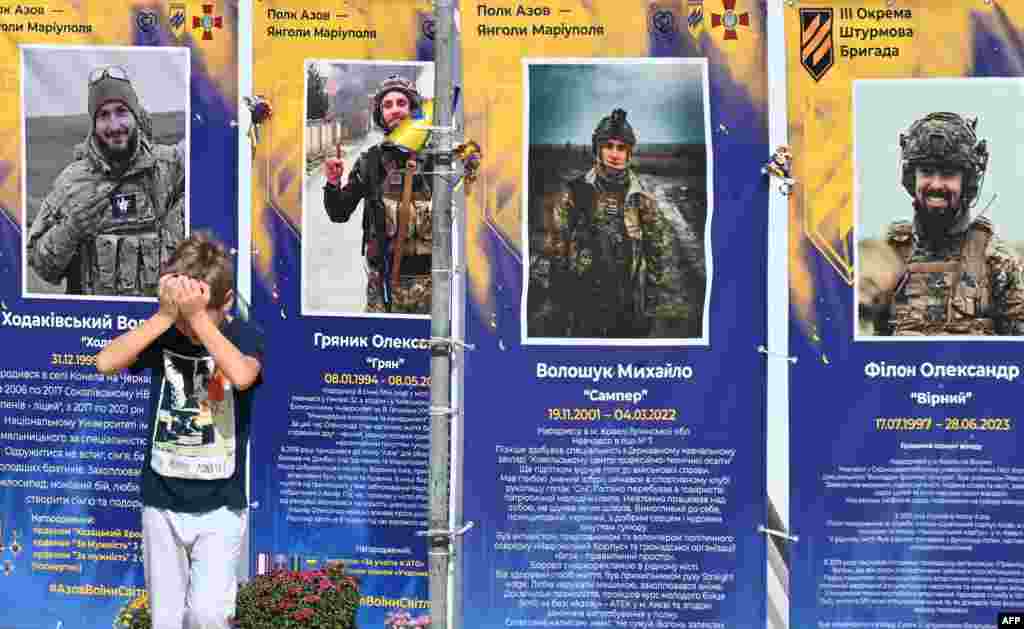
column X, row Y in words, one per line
column 695, row 15
column 207, row 22
column 146, row 20
column 429, row 28
column 176, row 18
column 816, row 51
column 123, row 206
column 729, row 19
column 663, row 22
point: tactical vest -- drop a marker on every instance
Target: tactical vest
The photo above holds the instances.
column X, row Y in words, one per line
column 942, row 297
column 605, row 257
column 126, row 257
column 419, row 241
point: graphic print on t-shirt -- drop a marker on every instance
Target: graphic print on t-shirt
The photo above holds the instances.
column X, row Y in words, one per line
column 194, row 435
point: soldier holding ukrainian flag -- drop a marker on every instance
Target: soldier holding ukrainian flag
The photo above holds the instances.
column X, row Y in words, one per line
column 389, row 179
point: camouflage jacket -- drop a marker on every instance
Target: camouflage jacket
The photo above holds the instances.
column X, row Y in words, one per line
column 972, row 284
column 341, row 202
column 138, row 218
column 605, row 268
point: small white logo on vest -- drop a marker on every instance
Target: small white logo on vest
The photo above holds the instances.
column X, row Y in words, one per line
column 123, row 205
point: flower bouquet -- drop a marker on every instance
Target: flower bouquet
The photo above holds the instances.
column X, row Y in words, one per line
column 315, row 599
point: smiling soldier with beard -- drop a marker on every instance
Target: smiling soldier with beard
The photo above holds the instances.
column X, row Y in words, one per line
column 959, row 279
column 117, row 211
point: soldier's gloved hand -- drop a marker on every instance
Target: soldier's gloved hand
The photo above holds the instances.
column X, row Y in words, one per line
column 166, row 292
column 334, row 168
column 87, row 220
column 193, row 297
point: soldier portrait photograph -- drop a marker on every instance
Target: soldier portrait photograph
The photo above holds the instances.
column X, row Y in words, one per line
column 105, row 139
column 366, row 207
column 938, row 235
column 618, row 202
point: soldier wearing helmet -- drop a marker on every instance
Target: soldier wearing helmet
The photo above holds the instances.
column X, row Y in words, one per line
column 116, row 213
column 959, row 277
column 377, row 180
column 604, row 270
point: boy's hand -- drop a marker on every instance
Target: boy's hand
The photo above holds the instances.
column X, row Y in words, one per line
column 166, row 291
column 193, row 297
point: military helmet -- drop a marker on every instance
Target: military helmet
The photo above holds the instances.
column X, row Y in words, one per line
column 613, row 126
column 394, row 83
column 945, row 139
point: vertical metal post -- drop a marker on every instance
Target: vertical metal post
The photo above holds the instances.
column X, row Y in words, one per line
column 439, row 541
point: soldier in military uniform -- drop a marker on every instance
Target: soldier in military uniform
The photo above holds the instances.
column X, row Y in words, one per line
column 117, row 211
column 958, row 277
column 605, row 268
column 377, row 180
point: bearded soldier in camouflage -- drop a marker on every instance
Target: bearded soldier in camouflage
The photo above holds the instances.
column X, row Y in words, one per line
column 959, row 278
column 377, row 180
column 605, row 268
column 117, row 211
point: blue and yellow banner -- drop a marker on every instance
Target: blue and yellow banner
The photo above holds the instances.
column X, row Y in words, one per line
column 79, row 256
column 614, row 428
column 340, row 471
column 905, row 276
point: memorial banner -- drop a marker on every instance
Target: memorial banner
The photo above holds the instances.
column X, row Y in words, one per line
column 115, row 113
column 907, row 310
column 614, row 428
column 340, row 459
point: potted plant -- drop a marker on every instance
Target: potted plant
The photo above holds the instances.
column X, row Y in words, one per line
column 402, row 619
column 314, row 599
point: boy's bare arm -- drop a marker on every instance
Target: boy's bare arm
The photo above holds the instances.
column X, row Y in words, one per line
column 193, row 298
column 125, row 349
column 241, row 370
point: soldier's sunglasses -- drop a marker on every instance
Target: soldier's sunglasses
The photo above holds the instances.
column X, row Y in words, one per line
column 114, row 72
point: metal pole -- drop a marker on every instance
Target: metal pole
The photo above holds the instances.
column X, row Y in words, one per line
column 439, row 539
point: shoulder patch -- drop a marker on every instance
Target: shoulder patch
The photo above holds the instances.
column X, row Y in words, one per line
column 574, row 178
column 900, row 232
column 77, row 174
column 983, row 223
column 999, row 249
column 647, row 196
column 77, row 183
column 165, row 152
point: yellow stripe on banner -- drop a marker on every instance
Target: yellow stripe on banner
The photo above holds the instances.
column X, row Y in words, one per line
column 219, row 55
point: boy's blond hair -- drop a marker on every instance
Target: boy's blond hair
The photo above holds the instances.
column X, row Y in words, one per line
column 202, row 257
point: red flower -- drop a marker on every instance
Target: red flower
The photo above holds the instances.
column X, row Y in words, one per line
column 312, row 598
column 303, row 614
column 286, row 604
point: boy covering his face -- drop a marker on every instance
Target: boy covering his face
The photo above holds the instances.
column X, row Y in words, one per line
column 205, row 366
